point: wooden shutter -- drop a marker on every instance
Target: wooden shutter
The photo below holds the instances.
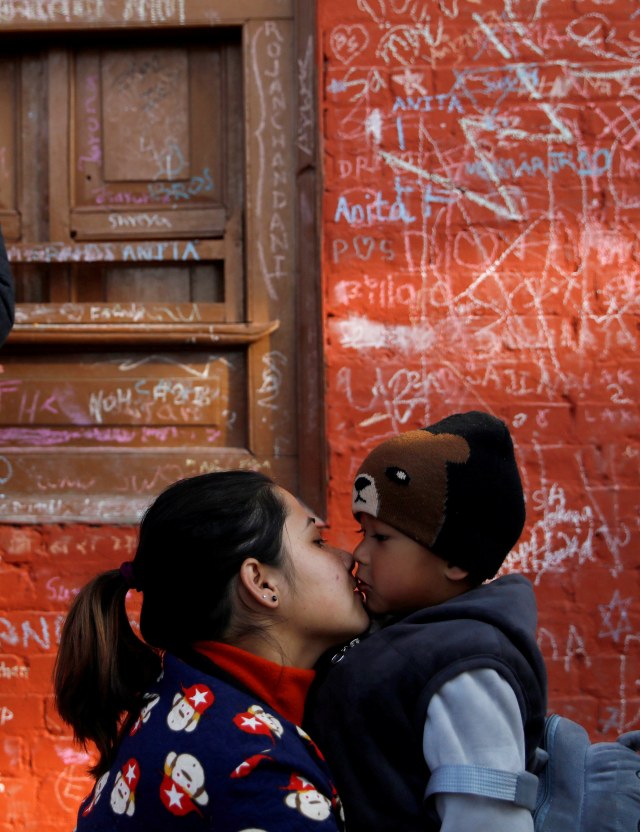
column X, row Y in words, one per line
column 151, row 224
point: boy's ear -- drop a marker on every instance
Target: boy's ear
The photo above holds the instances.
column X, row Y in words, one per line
column 455, row 573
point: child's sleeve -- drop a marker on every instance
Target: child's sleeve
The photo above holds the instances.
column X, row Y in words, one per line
column 474, row 719
column 7, row 299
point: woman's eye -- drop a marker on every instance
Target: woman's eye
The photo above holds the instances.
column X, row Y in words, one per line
column 380, row 537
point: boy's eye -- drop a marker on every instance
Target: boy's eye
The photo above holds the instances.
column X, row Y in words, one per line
column 380, row 537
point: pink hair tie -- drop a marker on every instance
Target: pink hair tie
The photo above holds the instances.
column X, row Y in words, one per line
column 126, row 570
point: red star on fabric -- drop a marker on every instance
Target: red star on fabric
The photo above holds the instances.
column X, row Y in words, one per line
column 200, row 697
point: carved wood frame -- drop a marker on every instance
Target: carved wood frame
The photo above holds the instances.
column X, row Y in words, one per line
column 58, row 16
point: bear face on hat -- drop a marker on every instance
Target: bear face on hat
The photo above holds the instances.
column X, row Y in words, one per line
column 453, row 487
column 403, row 482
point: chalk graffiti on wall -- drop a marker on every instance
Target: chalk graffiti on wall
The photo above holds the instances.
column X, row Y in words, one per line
column 482, row 252
column 486, row 255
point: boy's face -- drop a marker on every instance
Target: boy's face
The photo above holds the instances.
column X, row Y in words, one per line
column 398, row 575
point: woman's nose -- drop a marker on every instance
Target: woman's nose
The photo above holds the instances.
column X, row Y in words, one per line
column 347, row 559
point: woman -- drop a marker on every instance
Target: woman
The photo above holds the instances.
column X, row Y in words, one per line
column 197, row 727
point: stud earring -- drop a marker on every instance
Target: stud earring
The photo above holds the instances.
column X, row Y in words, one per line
column 274, row 597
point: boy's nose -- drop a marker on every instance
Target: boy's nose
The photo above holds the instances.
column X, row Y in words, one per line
column 359, row 552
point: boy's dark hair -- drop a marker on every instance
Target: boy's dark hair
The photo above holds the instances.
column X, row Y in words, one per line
column 453, row 486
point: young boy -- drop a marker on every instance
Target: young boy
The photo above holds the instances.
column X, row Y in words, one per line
column 451, row 675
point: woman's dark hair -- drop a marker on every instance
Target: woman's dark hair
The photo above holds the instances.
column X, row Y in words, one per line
column 193, row 540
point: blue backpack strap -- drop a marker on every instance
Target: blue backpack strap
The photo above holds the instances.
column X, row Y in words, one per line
column 518, row 788
column 588, row 787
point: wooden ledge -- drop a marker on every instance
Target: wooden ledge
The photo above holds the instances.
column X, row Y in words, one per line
column 133, row 336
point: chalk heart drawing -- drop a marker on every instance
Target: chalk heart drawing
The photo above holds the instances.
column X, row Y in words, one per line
column 347, row 42
column 363, row 246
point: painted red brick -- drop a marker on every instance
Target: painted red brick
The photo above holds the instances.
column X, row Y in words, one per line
column 507, row 280
column 437, row 301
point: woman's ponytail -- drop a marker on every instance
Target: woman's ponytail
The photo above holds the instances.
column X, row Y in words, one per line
column 102, row 668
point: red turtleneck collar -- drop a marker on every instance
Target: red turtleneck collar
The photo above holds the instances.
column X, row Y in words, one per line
column 283, row 688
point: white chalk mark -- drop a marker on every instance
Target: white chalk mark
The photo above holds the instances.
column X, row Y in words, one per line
column 467, row 124
column 564, row 134
column 372, row 420
column 632, row 123
column 612, row 74
column 545, row 637
column 502, row 49
column 130, row 364
column 358, row 332
column 560, row 539
column 614, row 542
column 575, row 647
column 373, row 126
column 499, row 260
column 445, row 182
column 615, row 617
column 258, row 133
column 465, row 384
column 519, row 28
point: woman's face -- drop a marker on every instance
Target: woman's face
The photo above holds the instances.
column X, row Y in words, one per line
column 320, row 603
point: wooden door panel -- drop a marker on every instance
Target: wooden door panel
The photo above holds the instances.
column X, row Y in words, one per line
column 156, row 329
column 11, row 224
column 150, row 223
column 10, row 110
column 150, row 136
column 145, row 114
column 171, row 284
column 154, row 391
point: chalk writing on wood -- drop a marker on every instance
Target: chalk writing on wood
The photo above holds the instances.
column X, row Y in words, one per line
column 91, row 11
column 269, row 51
column 138, row 252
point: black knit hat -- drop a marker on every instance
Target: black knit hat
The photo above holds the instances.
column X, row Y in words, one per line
column 454, row 487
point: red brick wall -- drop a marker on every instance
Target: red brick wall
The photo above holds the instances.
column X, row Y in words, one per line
column 480, row 251
column 43, row 775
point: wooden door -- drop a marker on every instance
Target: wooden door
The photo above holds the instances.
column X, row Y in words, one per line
column 148, row 203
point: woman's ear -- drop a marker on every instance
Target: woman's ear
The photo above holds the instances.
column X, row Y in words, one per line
column 455, row 573
column 257, row 583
